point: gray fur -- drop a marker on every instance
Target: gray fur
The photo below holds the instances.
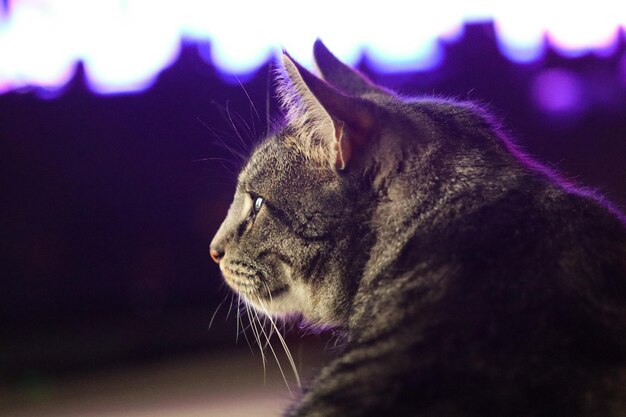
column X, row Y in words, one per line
column 467, row 279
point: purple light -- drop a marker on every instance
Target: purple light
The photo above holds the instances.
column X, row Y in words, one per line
column 125, row 44
column 558, row 92
column 622, row 69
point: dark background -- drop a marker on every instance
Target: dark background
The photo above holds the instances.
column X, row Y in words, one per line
column 108, row 203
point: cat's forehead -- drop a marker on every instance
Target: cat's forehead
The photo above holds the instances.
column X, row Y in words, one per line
column 268, row 161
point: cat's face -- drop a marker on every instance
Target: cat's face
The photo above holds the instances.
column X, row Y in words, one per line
column 289, row 221
column 293, row 239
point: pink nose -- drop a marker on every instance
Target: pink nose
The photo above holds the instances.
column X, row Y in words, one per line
column 215, row 255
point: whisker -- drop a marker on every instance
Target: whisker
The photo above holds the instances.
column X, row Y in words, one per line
column 280, row 368
column 252, row 109
column 270, row 332
column 232, row 299
column 288, row 352
column 216, row 159
column 283, row 343
column 238, row 318
column 269, row 294
column 243, row 329
column 258, row 337
column 240, row 154
column 215, row 313
column 225, row 163
column 232, row 123
column 251, row 133
column 255, row 331
column 248, row 95
column 267, row 100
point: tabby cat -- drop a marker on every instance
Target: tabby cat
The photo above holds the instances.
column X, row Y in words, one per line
column 468, row 280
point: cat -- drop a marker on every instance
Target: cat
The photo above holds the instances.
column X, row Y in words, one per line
column 467, row 279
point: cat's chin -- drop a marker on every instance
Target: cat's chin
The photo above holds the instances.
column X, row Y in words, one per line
column 277, row 299
column 281, row 302
column 293, row 303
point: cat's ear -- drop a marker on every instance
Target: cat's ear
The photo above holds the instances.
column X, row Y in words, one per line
column 342, row 76
column 330, row 125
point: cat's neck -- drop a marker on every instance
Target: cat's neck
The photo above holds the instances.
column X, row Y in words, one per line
column 423, row 190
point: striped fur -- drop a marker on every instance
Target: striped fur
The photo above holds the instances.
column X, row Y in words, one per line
column 467, row 279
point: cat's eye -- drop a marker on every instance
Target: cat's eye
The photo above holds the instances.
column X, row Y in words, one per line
column 257, row 204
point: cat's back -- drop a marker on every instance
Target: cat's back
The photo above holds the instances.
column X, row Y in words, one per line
column 518, row 306
column 469, row 279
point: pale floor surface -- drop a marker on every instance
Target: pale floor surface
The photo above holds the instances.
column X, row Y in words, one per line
column 214, row 385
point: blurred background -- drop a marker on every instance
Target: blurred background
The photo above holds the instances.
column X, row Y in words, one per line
column 119, row 121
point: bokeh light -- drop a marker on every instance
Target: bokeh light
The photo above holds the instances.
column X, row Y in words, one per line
column 558, row 92
column 125, row 45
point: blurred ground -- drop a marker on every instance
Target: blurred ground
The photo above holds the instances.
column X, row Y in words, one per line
column 223, row 384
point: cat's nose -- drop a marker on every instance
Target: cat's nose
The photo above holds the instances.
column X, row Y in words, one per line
column 216, row 253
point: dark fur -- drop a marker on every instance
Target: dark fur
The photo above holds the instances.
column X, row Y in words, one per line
column 469, row 280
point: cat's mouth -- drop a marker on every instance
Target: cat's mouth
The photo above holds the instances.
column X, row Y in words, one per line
column 277, row 292
column 251, row 285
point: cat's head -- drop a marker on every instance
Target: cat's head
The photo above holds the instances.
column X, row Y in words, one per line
column 295, row 237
